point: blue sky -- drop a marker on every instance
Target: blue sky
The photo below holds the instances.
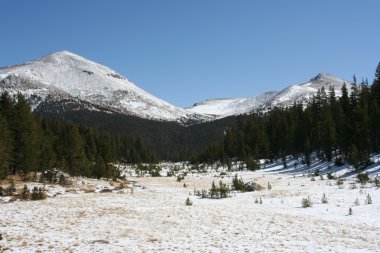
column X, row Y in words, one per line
column 187, row 51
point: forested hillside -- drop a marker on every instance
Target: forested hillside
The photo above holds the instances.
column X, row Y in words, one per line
column 32, row 144
column 344, row 129
column 170, row 141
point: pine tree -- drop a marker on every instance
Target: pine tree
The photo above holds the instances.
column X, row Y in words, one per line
column 26, row 138
column 354, row 156
column 72, row 148
column 375, row 89
column 6, row 147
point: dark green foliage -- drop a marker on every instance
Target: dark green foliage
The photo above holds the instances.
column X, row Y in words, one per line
column 25, row 193
column 347, row 129
column 215, row 192
column 6, row 147
column 11, row 189
column 31, row 144
column 363, row 178
column 161, row 140
column 368, row 200
column 239, row 185
column 63, row 180
column 306, row 202
column 324, row 199
column 350, row 211
column 188, row 202
column 151, row 169
column 344, row 129
column 49, row 176
column 37, row 193
column 330, row 175
column 223, row 191
column 339, row 182
column 26, row 139
column 339, row 161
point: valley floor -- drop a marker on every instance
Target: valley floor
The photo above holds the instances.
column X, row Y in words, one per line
column 154, row 218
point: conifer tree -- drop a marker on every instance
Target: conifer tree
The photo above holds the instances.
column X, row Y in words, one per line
column 6, row 147
column 26, row 138
column 72, row 147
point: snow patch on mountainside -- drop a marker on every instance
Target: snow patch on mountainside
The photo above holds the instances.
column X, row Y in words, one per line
column 300, row 93
column 88, row 81
column 64, row 76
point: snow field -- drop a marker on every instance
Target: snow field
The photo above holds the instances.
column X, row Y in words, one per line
column 156, row 219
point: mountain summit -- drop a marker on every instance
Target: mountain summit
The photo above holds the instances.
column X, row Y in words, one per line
column 300, row 93
column 99, row 87
column 64, row 81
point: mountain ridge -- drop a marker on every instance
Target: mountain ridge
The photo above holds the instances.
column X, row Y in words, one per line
column 64, row 77
column 300, row 93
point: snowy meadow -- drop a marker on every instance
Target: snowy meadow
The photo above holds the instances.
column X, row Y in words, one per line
column 150, row 214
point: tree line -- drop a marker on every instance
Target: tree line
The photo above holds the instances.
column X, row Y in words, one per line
column 35, row 144
column 341, row 129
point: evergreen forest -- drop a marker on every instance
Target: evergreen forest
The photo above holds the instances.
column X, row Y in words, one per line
column 344, row 129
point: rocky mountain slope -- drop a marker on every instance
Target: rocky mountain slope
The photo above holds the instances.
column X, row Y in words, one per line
column 83, row 84
column 300, row 93
column 64, row 81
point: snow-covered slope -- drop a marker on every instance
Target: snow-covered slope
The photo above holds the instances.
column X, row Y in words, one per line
column 66, row 81
column 64, row 74
column 300, row 93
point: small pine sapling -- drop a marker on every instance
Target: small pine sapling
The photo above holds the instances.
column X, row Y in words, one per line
column 356, row 202
column 324, row 199
column 306, row 202
column 353, row 186
column 261, row 201
column 269, row 186
column 368, row 200
column 25, row 193
column 41, row 194
column 11, row 189
column 204, row 194
column 35, row 195
column 350, row 211
column 188, row 202
column 340, row 183
column 330, row 175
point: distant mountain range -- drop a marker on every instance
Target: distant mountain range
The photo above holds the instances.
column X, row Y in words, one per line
column 64, row 81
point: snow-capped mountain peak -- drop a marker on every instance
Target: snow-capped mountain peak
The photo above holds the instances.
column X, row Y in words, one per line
column 300, row 93
column 90, row 82
column 84, row 84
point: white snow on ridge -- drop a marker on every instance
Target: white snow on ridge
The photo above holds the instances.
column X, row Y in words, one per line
column 300, row 93
column 96, row 84
column 64, row 74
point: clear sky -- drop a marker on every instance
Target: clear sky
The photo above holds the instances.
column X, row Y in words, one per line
column 187, row 51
